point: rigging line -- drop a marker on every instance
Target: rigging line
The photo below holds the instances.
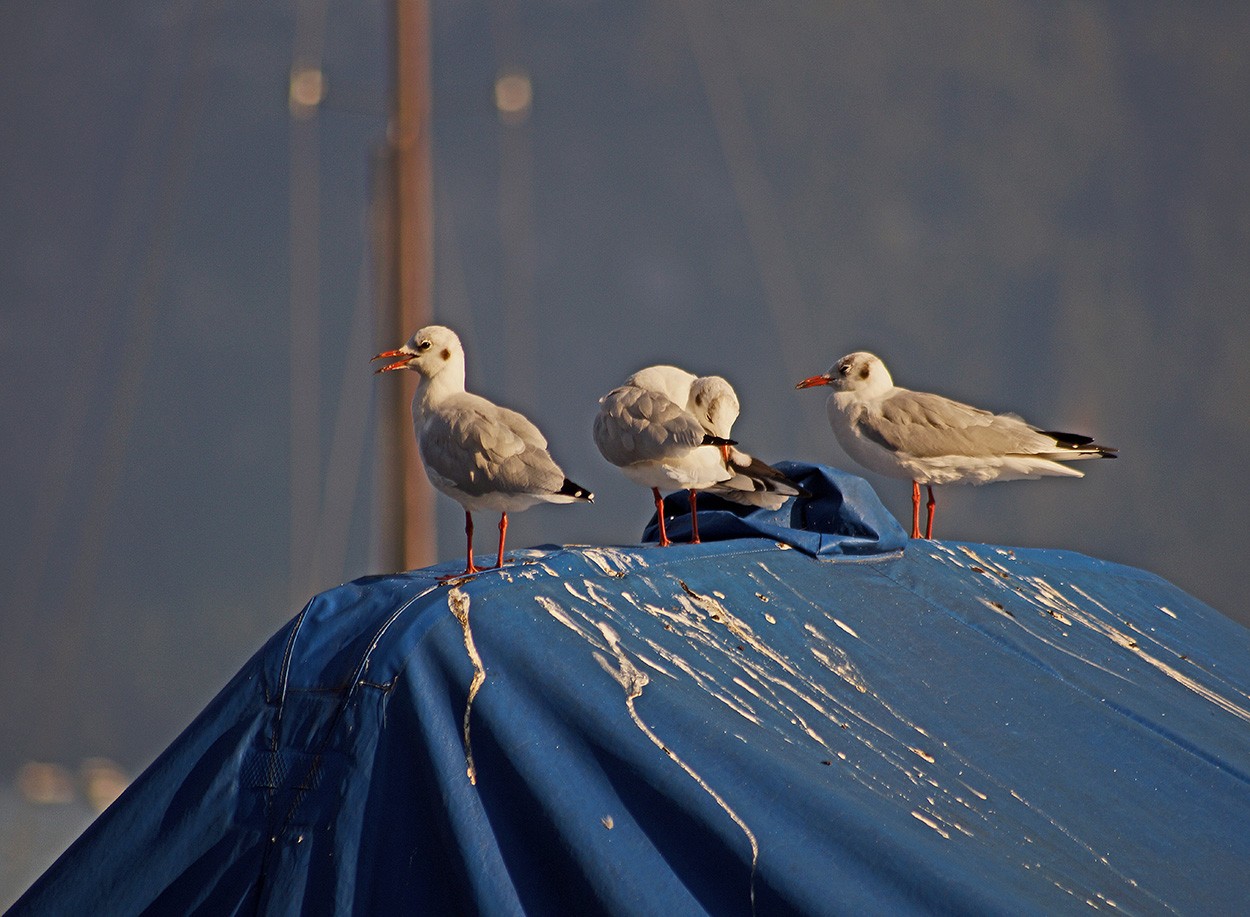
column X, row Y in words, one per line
column 774, row 262
column 304, row 240
column 349, row 432
column 67, row 655
column 53, row 491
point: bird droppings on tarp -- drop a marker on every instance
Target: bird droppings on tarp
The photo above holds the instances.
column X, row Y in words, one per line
column 615, row 563
column 458, row 602
column 1071, row 612
column 531, row 569
column 769, row 688
column 844, row 727
column 632, row 680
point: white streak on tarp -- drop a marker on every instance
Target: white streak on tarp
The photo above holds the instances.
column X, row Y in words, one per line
column 613, row 563
column 531, row 569
column 745, row 686
column 931, row 823
column 549, row 605
column 846, row 627
column 1012, row 586
column 655, row 666
column 632, row 680
column 568, row 587
column 672, row 617
column 704, row 680
column 458, row 602
column 1128, row 643
column 842, row 667
column 597, row 595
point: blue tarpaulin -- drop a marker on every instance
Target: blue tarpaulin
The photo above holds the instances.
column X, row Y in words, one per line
column 808, row 713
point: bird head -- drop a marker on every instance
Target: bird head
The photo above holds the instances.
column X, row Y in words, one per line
column 856, row 372
column 715, row 404
column 427, row 352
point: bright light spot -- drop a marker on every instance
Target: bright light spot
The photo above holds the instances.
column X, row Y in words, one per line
column 46, row 784
column 308, row 90
column 514, row 96
column 103, row 781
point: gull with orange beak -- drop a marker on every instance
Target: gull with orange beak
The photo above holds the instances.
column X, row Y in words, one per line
column 931, row 440
column 653, row 430
column 483, row 456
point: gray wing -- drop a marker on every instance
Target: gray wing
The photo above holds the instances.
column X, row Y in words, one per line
column 636, row 425
column 484, row 448
column 925, row 425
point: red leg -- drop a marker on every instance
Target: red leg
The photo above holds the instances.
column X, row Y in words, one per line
column 915, row 509
column 469, row 566
column 659, row 514
column 928, row 529
column 503, row 531
column 694, row 517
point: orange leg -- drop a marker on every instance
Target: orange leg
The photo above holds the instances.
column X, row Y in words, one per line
column 694, row 517
column 503, row 531
column 915, row 509
column 659, row 514
column 469, row 566
column 928, row 530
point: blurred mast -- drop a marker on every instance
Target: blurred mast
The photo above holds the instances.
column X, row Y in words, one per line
column 408, row 539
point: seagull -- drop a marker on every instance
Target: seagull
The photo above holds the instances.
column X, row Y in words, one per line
column 483, row 456
column 714, row 403
column 931, row 440
column 647, row 428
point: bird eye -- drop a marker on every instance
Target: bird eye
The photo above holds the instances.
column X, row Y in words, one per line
column 423, row 347
column 844, row 369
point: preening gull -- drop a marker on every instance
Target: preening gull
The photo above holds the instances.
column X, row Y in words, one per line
column 931, row 440
column 714, row 404
column 483, row 456
column 647, row 428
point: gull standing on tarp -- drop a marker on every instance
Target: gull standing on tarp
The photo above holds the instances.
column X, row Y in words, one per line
column 931, row 440
column 714, row 403
column 483, row 456
column 647, row 429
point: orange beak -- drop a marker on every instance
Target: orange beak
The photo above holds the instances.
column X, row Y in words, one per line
column 812, row 381
column 390, row 355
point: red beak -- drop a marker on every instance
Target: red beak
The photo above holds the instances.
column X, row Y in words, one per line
column 812, row 381
column 390, row 355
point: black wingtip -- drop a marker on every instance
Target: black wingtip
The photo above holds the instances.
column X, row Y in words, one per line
column 710, row 440
column 767, row 478
column 576, row 491
column 1077, row 441
column 1071, row 440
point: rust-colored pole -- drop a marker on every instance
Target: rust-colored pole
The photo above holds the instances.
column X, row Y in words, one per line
column 412, row 266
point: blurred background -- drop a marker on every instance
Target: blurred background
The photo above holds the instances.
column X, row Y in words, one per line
column 1036, row 207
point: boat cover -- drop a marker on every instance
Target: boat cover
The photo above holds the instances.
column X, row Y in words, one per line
column 805, row 714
